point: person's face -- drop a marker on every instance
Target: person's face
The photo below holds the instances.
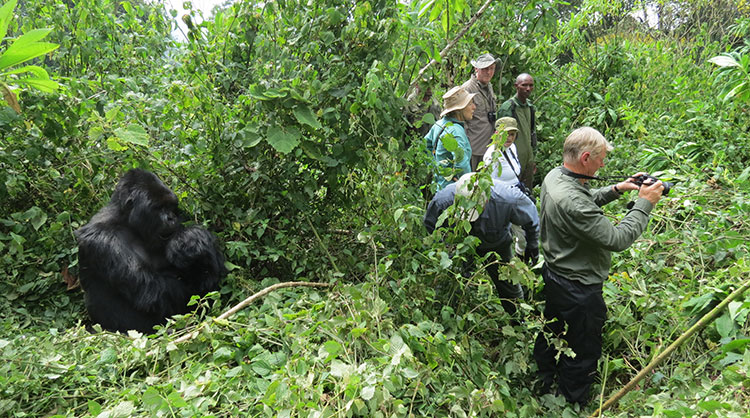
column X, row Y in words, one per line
column 484, row 75
column 468, row 111
column 592, row 162
column 510, row 139
column 524, row 87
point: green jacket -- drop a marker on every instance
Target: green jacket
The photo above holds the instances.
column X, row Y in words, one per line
column 526, row 141
column 577, row 239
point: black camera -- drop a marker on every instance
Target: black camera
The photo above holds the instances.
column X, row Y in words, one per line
column 647, row 179
column 492, row 117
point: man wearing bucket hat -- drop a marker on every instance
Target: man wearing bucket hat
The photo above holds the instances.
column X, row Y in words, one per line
column 458, row 107
column 504, row 206
column 480, row 128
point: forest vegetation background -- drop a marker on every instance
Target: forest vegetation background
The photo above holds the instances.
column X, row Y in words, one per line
column 281, row 127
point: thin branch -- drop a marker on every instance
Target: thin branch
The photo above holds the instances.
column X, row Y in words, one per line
column 250, row 300
column 707, row 319
column 452, row 43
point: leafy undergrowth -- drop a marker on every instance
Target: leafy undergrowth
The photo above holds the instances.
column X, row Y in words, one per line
column 414, row 338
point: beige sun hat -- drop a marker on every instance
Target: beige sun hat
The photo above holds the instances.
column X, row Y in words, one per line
column 455, row 99
column 483, row 61
column 506, row 123
column 462, row 189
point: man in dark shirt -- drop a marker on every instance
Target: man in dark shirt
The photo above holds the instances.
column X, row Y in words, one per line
column 520, row 108
column 505, row 205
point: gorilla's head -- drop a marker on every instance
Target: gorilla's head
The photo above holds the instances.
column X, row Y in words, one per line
column 147, row 206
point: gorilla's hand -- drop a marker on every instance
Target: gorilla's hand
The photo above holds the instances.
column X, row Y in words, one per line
column 193, row 251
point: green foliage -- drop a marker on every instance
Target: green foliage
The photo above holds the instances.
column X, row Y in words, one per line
column 733, row 75
column 23, row 49
column 280, row 126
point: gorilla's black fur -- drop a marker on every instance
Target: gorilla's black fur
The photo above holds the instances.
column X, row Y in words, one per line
column 138, row 263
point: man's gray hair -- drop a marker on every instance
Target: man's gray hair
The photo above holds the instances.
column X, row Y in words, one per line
column 585, row 139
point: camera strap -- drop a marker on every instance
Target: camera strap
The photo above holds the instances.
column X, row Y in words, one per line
column 584, row 176
column 578, row 175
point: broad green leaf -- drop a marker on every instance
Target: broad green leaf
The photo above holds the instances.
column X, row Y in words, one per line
column 725, row 325
column 724, row 61
column 248, row 137
column 713, row 405
column 19, row 55
column 274, row 93
column 46, row 86
column 332, row 347
column 36, row 216
column 449, row 142
column 30, row 37
column 408, row 372
column 94, row 408
column 281, row 141
column 306, row 116
column 151, row 399
column 37, row 71
column 397, row 214
column 6, row 11
column 133, row 134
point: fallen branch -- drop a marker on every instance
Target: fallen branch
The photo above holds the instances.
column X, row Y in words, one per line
column 705, row 320
column 250, row 300
column 452, row 43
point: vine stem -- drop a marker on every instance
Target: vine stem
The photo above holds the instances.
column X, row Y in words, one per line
column 705, row 320
column 452, row 43
column 250, row 300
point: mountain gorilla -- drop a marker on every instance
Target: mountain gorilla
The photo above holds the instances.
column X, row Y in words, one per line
column 138, row 263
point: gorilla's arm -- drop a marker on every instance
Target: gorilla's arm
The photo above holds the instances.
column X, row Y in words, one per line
column 111, row 256
column 194, row 252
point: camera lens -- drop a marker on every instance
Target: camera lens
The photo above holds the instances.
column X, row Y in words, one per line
column 667, row 186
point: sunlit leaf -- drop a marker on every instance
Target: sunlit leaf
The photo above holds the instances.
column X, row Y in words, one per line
column 13, row 56
column 133, row 134
column 724, row 61
column 43, row 85
column 6, row 11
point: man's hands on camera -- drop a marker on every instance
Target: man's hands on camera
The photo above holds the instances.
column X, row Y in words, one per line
column 651, row 191
column 628, row 184
column 530, row 256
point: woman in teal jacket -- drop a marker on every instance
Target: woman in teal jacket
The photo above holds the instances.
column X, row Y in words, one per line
column 458, row 107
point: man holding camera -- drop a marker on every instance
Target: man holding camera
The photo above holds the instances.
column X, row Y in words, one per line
column 577, row 240
column 482, row 125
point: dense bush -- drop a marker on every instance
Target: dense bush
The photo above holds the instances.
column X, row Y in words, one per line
column 280, row 126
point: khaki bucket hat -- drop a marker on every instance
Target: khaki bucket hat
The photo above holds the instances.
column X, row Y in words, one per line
column 483, row 61
column 456, row 98
column 507, row 124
